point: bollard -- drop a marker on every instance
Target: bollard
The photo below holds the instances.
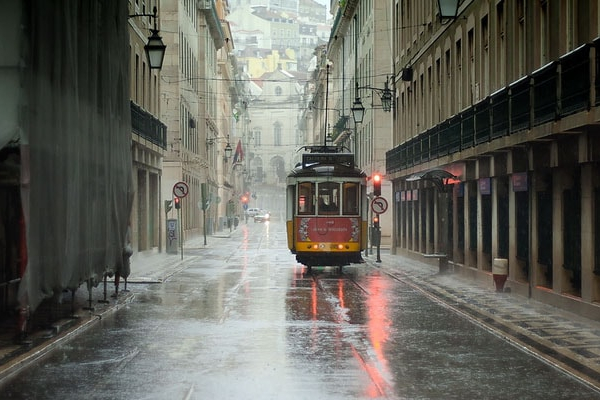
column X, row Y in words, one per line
column 500, row 273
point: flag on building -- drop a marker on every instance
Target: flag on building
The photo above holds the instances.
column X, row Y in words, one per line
column 239, row 153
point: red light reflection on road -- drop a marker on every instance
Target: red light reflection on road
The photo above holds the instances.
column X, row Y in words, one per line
column 341, row 293
column 378, row 326
column 313, row 298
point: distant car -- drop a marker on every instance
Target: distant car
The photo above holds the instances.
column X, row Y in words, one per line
column 264, row 216
column 251, row 212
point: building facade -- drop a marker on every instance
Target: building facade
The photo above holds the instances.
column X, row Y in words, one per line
column 358, row 66
column 148, row 133
column 273, row 138
column 496, row 152
column 193, row 101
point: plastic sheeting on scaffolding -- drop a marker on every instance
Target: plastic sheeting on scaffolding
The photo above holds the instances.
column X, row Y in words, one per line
column 75, row 141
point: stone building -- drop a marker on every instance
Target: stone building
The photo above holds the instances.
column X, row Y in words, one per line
column 273, row 137
column 358, row 67
column 496, row 151
column 197, row 108
column 149, row 134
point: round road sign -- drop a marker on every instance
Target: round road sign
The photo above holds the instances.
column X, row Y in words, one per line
column 379, row 205
column 180, row 189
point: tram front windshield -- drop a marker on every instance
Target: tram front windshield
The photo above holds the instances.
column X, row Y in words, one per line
column 325, row 198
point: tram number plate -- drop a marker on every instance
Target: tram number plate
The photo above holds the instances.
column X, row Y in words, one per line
column 379, row 205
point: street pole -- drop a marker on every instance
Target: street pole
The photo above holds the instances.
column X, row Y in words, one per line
column 180, row 231
column 378, row 245
column 369, row 230
column 377, row 233
column 204, row 223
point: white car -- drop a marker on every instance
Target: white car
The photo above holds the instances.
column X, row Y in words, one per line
column 251, row 212
column 264, row 216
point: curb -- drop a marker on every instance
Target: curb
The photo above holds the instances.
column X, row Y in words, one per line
column 33, row 353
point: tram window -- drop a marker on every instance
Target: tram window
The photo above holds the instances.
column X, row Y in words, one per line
column 329, row 196
column 350, row 198
column 306, row 196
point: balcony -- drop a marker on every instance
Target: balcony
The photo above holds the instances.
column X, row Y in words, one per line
column 559, row 89
column 148, row 127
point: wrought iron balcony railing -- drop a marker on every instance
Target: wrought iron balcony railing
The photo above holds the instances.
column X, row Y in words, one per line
column 148, row 127
column 559, row 89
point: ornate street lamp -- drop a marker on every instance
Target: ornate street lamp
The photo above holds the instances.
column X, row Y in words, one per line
column 228, row 150
column 448, row 10
column 358, row 111
column 386, row 98
column 387, row 101
column 155, row 48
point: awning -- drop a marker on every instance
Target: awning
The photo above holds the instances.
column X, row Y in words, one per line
column 439, row 177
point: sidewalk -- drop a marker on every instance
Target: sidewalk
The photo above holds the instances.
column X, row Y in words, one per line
column 568, row 341
column 54, row 323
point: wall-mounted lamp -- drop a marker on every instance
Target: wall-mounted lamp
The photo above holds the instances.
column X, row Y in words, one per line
column 155, row 48
column 358, row 111
column 387, row 100
column 228, row 148
column 448, row 10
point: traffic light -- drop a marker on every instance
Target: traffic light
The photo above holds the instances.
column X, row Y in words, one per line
column 177, row 201
column 244, row 199
column 377, row 185
column 376, row 220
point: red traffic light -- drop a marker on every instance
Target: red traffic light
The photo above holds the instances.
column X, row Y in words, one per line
column 376, row 220
column 244, row 199
column 377, row 185
column 177, row 201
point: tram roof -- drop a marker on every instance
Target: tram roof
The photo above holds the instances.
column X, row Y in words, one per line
column 327, row 164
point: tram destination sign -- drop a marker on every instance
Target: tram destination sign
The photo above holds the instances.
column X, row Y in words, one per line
column 327, row 158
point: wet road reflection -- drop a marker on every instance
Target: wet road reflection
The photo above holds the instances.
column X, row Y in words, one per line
column 243, row 320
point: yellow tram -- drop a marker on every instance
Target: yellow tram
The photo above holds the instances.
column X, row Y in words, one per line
column 326, row 210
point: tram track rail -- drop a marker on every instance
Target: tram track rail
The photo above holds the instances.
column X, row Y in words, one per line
column 347, row 277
